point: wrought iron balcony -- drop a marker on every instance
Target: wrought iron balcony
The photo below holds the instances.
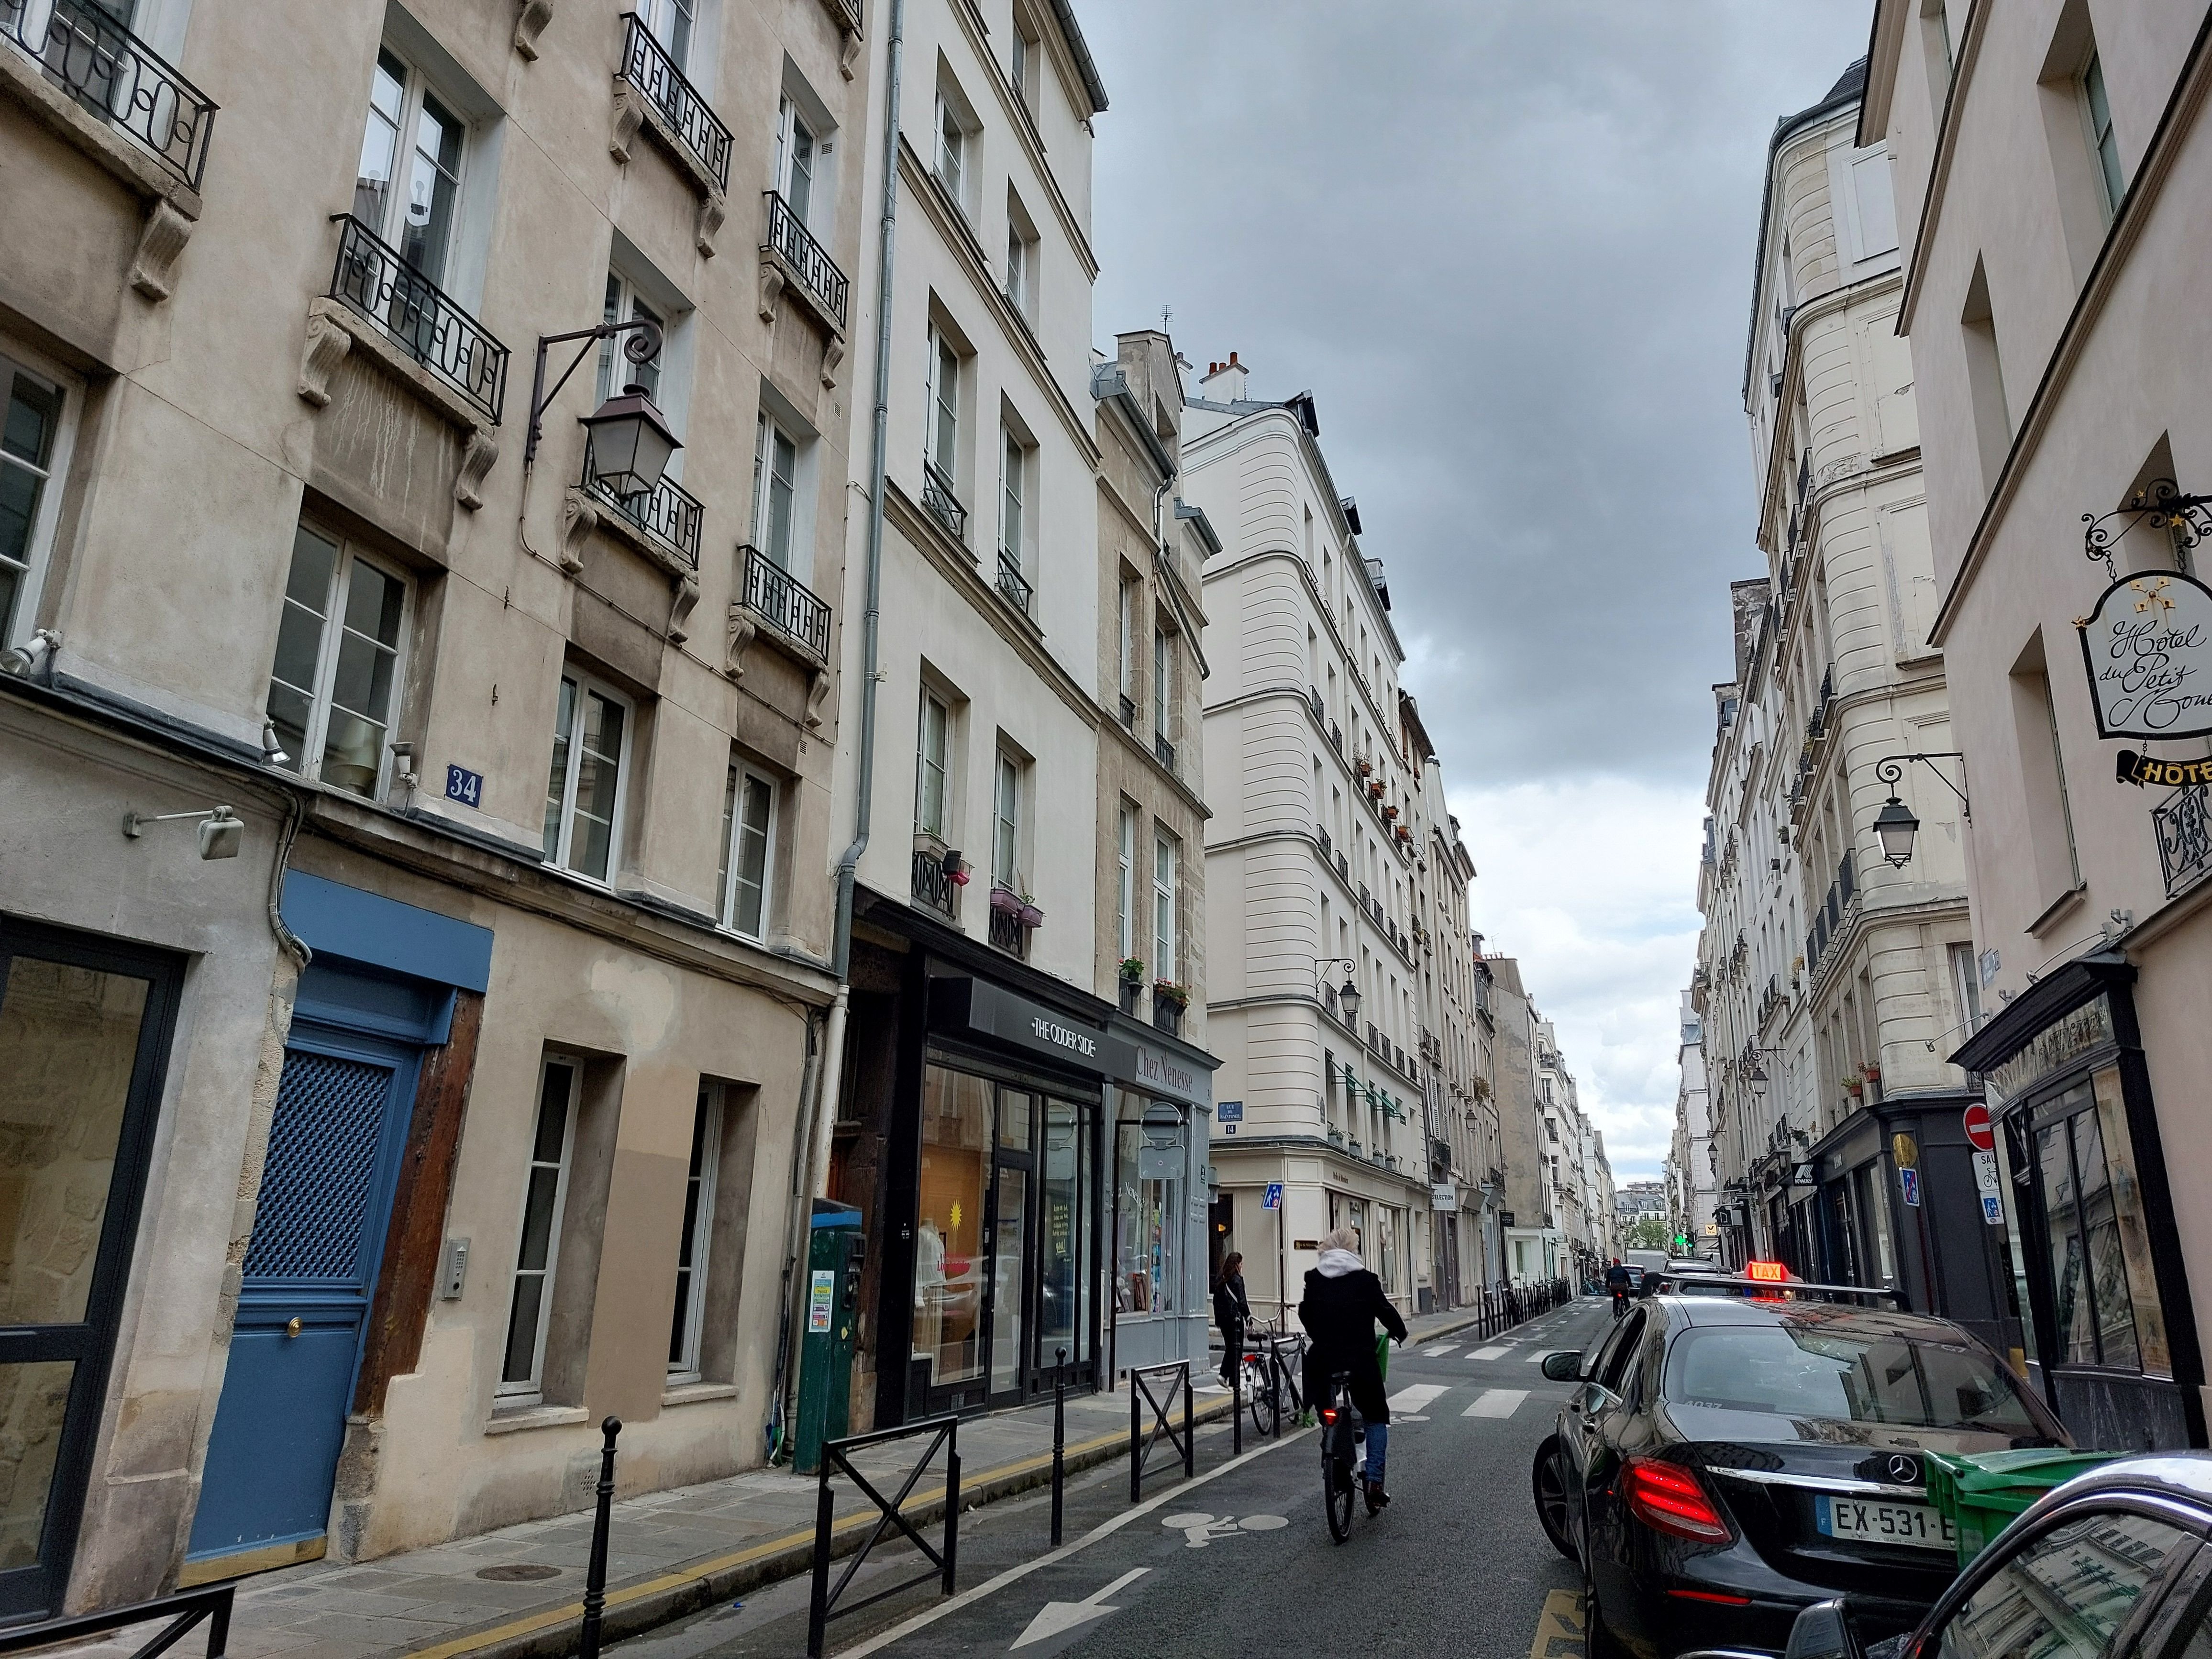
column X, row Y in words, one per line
column 1013, row 586
column 2183, row 824
column 1321, row 834
column 774, row 593
column 1313, row 702
column 798, row 248
column 647, row 66
column 666, row 512
column 112, row 73
column 932, row 888
column 419, row 317
column 1163, row 752
column 1008, row 934
column 937, row 494
column 1128, row 711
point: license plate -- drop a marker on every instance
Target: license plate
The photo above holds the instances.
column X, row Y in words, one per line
column 1866, row 1521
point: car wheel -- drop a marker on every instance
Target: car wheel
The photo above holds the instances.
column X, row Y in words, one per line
column 1547, row 1480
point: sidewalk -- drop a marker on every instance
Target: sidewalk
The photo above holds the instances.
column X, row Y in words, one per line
column 515, row 1593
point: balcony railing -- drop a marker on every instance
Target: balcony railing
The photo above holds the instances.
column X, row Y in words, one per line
column 1008, row 934
column 799, row 249
column 418, row 316
column 114, row 75
column 932, row 888
column 647, row 66
column 1313, row 702
column 666, row 512
column 937, row 494
column 2183, row 827
column 1013, row 586
column 774, row 593
column 1163, row 752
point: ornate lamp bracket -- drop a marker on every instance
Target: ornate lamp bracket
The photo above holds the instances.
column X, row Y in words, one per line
column 643, row 346
column 2161, row 504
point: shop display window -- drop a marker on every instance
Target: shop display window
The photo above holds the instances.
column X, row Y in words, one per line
column 948, row 1269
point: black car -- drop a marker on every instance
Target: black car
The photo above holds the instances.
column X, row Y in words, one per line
column 1728, row 1462
column 2112, row 1565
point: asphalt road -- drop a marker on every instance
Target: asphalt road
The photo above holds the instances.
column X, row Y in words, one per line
column 1240, row 1559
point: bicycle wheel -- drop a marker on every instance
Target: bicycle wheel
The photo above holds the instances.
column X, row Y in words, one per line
column 1337, row 1483
column 1266, row 1403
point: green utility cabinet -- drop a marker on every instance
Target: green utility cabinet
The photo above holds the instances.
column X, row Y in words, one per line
column 835, row 1251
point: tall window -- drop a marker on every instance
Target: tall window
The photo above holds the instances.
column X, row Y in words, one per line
column 932, row 740
column 796, row 153
column 952, row 150
column 1018, row 249
column 1160, row 682
column 334, row 688
column 1164, row 904
column 625, row 304
column 1006, row 823
column 583, row 794
column 776, row 490
column 1021, row 55
column 409, row 184
column 748, row 850
column 691, row 1250
column 944, row 406
column 1125, row 884
column 1012, row 485
column 545, row 1189
column 27, row 459
column 2098, row 108
column 670, row 22
column 1125, row 618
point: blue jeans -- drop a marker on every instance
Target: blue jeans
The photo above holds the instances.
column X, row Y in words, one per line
column 1378, row 1439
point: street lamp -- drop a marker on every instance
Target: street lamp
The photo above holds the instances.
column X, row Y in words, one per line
column 1347, row 994
column 1894, row 826
column 631, row 440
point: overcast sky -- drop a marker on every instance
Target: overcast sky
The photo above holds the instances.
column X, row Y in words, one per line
column 1507, row 244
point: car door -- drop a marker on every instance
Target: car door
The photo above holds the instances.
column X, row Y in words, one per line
column 1581, row 1423
column 2085, row 1585
column 1620, row 1425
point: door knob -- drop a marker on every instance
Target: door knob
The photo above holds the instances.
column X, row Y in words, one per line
column 292, row 1328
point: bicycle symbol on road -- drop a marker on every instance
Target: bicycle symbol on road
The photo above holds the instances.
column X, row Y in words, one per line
column 1200, row 1530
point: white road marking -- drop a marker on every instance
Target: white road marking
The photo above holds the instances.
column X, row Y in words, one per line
column 1417, row 1397
column 1439, row 1353
column 1201, row 1529
column 1541, row 1355
column 1489, row 1354
column 1496, row 1402
column 1057, row 1616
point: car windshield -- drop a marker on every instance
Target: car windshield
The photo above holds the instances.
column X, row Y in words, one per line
column 1865, row 1376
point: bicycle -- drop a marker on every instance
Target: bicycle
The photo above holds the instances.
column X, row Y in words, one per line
column 1271, row 1382
column 1341, row 1456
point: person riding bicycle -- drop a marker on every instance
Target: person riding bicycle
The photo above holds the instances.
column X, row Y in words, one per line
column 1618, row 1281
column 1342, row 1303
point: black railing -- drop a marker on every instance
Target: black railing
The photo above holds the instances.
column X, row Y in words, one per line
column 774, row 593
column 1163, row 752
column 798, row 248
column 1008, row 934
column 183, row 1611
column 890, row 1517
column 1128, row 711
column 1322, row 835
column 1013, row 586
column 1313, row 702
column 2183, row 824
column 934, row 886
column 647, row 66
column 113, row 74
column 667, row 512
column 937, row 496
column 418, row 316
column 1144, row 1436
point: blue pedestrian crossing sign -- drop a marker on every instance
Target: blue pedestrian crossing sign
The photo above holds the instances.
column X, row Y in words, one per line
column 1274, row 1201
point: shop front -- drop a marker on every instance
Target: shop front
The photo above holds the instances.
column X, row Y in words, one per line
column 2097, row 1266
column 1162, row 1198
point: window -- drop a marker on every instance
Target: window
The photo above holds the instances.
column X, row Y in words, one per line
column 748, row 850
column 1020, row 253
column 410, row 131
column 1022, row 54
column 691, row 1250
column 27, row 444
column 1164, row 904
column 1160, row 682
column 1986, row 377
column 545, row 1190
column 2069, row 1594
column 776, row 490
column 943, row 407
column 583, row 792
column 797, row 153
column 932, row 740
column 1012, row 485
column 2098, row 108
column 1125, row 884
column 1006, row 823
column 670, row 22
column 334, row 687
column 952, row 150
column 1967, row 982
column 624, row 304
column 1125, row 618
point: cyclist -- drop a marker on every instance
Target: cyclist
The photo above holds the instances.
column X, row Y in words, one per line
column 1342, row 1303
column 1617, row 1282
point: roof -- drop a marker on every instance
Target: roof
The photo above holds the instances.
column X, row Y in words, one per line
column 1848, row 89
column 1064, row 12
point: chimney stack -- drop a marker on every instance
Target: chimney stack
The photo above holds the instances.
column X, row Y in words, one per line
column 1225, row 382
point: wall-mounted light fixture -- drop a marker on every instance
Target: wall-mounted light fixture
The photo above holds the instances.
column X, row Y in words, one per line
column 272, row 752
column 221, row 831
column 1894, row 826
column 25, row 659
column 1347, row 994
column 631, row 439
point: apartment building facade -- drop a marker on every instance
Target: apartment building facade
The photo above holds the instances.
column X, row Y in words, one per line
column 1532, row 1218
column 432, row 1083
column 1310, row 857
column 2053, row 162
column 1692, row 1174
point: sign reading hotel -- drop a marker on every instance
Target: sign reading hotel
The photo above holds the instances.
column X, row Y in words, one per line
column 2147, row 647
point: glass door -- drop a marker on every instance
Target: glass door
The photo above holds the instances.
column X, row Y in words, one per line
column 1066, row 1236
column 1010, row 1254
column 950, row 1262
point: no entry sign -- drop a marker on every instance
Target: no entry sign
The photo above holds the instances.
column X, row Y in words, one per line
column 1978, row 1131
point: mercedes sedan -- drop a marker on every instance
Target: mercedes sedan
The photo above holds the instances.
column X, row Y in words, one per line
column 1727, row 1462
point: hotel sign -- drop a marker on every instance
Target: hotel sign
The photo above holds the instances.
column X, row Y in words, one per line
column 2148, row 647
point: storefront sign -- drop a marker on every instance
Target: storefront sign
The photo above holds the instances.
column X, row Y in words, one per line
column 1906, row 1150
column 2064, row 1040
column 979, row 1008
column 1157, row 1072
column 1443, row 1198
column 2140, row 769
column 2147, row 647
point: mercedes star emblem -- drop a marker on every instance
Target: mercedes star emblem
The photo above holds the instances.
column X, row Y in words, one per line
column 1904, row 1470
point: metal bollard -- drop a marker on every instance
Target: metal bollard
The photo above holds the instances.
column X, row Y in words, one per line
column 1058, row 1441
column 1190, row 1445
column 1136, row 1475
column 595, row 1576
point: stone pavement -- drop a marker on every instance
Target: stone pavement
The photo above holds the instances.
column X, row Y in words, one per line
column 515, row 1594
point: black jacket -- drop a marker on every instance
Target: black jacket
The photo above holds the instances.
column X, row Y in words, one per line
column 1230, row 1306
column 1340, row 1315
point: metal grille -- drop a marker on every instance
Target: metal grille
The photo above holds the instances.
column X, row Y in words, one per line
column 322, row 1164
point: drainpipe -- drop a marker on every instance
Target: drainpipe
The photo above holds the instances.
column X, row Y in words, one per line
column 830, row 1085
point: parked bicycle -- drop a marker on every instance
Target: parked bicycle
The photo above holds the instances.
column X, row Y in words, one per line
column 1271, row 1386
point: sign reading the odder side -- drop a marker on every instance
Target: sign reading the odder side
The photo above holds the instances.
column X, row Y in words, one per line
column 2147, row 647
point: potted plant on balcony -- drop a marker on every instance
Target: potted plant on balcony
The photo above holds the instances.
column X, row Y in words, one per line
column 1028, row 914
column 1006, row 901
column 1168, row 1001
column 1375, row 789
column 1390, row 814
column 1854, row 1085
column 1364, row 765
column 1130, row 980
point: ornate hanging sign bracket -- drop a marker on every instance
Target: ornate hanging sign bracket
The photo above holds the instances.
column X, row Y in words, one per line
column 2159, row 505
column 2148, row 647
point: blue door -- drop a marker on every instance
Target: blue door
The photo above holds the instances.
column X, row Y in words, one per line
column 342, row 1111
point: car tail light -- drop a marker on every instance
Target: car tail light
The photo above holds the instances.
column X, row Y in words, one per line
column 1711, row 1595
column 1669, row 1498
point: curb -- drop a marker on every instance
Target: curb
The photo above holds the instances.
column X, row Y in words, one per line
column 646, row 1604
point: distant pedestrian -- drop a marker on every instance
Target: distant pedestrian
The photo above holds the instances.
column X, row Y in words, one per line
column 1230, row 1311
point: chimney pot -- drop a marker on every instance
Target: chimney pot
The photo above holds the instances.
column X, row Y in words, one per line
column 1232, row 360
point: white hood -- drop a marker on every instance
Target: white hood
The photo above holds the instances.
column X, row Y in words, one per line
column 1334, row 1264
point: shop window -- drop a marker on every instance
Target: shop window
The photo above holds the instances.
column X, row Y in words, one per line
column 1065, row 1233
column 334, row 687
column 949, row 1267
column 2104, row 1303
column 1148, row 1212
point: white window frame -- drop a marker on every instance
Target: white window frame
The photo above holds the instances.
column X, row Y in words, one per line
column 766, row 430
column 733, row 830
column 1160, row 711
column 309, row 762
column 1022, row 52
column 661, row 17
column 531, row 1391
column 38, row 545
column 790, row 122
column 1125, row 883
column 626, row 301
column 940, row 764
column 1006, row 820
column 1165, row 853
column 1126, row 604
column 586, row 685
column 684, row 1367
column 953, row 151
column 2111, row 175
column 415, row 85
column 1014, row 492
column 943, row 410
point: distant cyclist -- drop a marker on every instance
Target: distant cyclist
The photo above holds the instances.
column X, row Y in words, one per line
column 1342, row 1304
column 1617, row 1281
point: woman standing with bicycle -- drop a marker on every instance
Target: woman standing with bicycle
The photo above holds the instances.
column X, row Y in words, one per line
column 1342, row 1304
column 1231, row 1311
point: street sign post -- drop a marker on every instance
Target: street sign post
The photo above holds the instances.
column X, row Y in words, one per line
column 1273, row 1200
column 1909, row 1179
column 1979, row 1131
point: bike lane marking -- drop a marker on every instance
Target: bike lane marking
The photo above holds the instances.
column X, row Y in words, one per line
column 1104, row 1529
column 1496, row 1402
column 1559, row 1632
column 1055, row 1617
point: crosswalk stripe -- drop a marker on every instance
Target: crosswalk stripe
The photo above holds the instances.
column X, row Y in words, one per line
column 1490, row 1353
column 1439, row 1353
column 1541, row 1355
column 1417, row 1397
column 1496, row 1402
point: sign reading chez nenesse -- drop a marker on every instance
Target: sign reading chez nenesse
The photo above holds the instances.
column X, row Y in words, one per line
column 2147, row 647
